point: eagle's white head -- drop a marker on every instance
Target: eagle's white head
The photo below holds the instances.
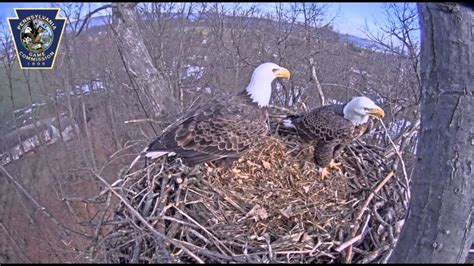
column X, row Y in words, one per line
column 360, row 108
column 28, row 30
column 260, row 86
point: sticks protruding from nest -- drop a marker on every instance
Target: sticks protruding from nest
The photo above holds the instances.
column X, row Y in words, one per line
column 270, row 206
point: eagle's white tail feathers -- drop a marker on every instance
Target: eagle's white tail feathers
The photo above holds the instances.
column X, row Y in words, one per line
column 155, row 154
column 288, row 123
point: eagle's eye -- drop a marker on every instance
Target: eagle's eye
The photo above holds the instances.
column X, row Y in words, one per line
column 366, row 109
column 274, row 70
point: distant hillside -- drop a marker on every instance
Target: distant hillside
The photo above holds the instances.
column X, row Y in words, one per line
column 357, row 41
column 93, row 25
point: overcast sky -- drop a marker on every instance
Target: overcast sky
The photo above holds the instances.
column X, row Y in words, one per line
column 351, row 16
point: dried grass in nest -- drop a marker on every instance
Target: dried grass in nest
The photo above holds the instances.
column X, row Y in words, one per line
column 270, row 206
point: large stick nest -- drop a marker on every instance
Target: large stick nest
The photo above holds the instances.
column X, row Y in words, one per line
column 270, row 206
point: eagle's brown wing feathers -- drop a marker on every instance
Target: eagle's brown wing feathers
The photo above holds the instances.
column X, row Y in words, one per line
column 327, row 128
column 358, row 132
column 330, row 132
column 323, row 125
column 212, row 132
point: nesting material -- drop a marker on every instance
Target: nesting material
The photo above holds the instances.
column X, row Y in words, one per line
column 270, row 206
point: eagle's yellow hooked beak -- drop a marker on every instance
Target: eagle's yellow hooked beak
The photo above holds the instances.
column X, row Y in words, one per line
column 377, row 111
column 283, row 73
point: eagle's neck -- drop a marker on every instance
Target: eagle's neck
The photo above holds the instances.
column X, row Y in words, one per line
column 260, row 91
column 356, row 118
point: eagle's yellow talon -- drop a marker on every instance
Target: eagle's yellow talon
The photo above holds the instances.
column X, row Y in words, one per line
column 334, row 165
column 324, row 173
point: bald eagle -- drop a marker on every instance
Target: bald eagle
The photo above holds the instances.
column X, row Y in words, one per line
column 224, row 128
column 332, row 127
column 32, row 35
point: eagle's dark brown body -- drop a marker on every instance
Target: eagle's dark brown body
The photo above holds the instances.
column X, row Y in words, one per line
column 330, row 132
column 224, row 128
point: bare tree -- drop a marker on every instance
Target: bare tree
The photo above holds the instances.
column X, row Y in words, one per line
column 144, row 75
column 399, row 80
column 439, row 223
column 10, row 66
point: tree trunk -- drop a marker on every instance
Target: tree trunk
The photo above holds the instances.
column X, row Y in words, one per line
column 439, row 223
column 143, row 74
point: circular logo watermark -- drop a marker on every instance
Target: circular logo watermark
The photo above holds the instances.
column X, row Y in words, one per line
column 37, row 35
